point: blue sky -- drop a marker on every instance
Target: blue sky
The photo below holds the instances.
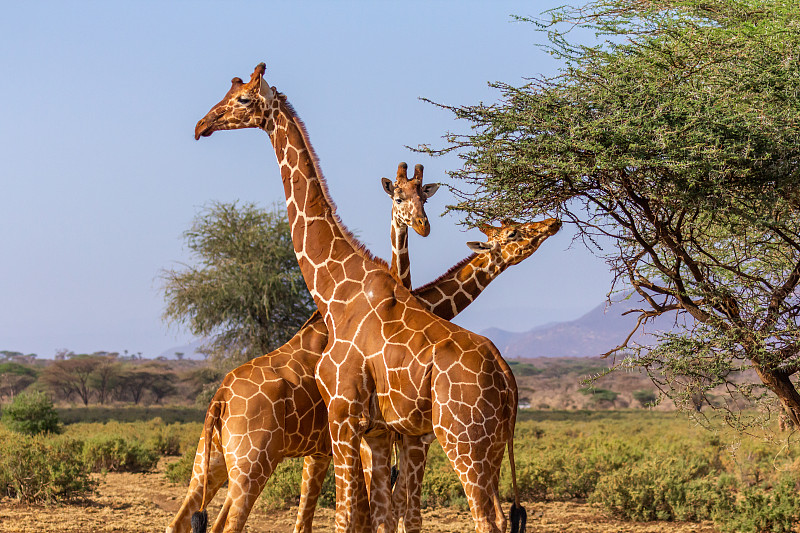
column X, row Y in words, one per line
column 101, row 175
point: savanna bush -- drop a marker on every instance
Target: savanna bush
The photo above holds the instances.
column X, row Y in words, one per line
column 31, row 413
column 180, row 471
column 118, row 454
column 665, row 487
column 776, row 510
column 38, row 469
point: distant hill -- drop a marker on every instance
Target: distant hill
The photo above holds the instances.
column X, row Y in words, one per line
column 189, row 351
column 591, row 335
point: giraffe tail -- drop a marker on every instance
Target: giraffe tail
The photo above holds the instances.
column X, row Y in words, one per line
column 518, row 515
column 200, row 518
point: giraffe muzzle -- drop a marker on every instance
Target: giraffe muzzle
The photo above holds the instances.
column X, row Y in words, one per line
column 422, row 226
column 204, row 128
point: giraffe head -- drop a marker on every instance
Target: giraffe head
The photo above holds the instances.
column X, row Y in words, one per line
column 246, row 105
column 409, row 197
column 513, row 242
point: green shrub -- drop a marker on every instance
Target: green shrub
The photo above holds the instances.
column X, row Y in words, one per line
column 166, row 440
column 134, row 413
column 117, row 454
column 38, row 469
column 180, row 471
column 523, row 369
column 441, row 488
column 31, row 413
column 599, row 395
column 283, row 487
column 645, row 397
column 664, row 488
column 776, row 510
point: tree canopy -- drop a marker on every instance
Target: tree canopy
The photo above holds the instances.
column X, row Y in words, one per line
column 245, row 291
column 675, row 137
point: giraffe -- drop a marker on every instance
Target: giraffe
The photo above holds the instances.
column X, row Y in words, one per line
column 449, row 294
column 270, row 408
column 388, row 360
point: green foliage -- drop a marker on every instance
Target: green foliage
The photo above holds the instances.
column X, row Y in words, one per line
column 776, row 510
column 168, row 415
column 664, row 488
column 32, row 413
column 37, row 469
column 524, row 369
column 645, row 397
column 246, row 291
column 180, row 471
column 14, row 378
column 599, row 395
column 118, row 454
column 283, row 487
column 674, row 137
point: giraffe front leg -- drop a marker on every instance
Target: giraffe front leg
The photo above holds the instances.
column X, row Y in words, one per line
column 414, row 455
column 314, row 470
column 380, row 493
column 346, row 430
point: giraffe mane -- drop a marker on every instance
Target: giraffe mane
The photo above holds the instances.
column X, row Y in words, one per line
column 452, row 270
column 357, row 245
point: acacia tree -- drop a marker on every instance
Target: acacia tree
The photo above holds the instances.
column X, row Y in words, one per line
column 246, row 291
column 676, row 137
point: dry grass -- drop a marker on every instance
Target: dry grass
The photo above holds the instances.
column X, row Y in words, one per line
column 128, row 502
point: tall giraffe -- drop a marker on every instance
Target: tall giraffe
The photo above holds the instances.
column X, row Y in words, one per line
column 269, row 408
column 389, row 359
column 246, row 410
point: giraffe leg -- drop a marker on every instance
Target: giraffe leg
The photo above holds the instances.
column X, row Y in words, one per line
column 414, row 454
column 380, row 496
column 314, row 470
column 472, row 463
column 496, row 465
column 247, row 475
column 400, row 488
column 347, row 425
column 217, row 475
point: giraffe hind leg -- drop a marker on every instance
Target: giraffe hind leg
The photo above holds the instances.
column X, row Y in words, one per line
column 217, row 475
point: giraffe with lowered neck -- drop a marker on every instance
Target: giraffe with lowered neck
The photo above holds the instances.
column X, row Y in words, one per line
column 389, row 359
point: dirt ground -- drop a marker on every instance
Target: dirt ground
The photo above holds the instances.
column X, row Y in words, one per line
column 147, row 502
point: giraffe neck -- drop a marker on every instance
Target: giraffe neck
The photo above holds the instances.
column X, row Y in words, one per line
column 400, row 265
column 452, row 292
column 318, row 237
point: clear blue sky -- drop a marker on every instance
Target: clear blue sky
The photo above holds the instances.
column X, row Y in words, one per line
column 101, row 174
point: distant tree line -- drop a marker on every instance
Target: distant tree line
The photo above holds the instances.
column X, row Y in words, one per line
column 103, row 378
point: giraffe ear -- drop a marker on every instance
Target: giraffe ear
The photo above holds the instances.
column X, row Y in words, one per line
column 430, row 189
column 479, row 247
column 265, row 90
column 388, row 186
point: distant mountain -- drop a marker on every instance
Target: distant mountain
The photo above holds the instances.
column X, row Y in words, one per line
column 189, row 351
column 593, row 334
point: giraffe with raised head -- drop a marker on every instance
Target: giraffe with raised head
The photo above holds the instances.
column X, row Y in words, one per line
column 389, row 359
column 269, row 408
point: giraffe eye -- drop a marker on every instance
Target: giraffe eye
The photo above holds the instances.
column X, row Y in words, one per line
column 398, row 200
column 513, row 235
column 243, row 100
